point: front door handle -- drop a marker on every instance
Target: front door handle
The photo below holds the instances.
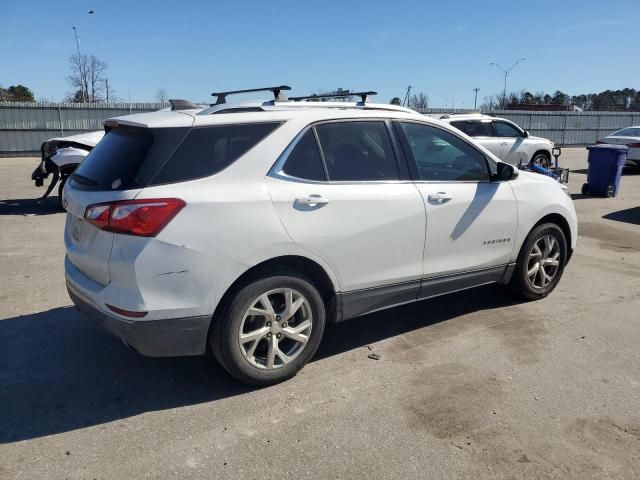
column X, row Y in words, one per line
column 311, row 200
column 440, row 197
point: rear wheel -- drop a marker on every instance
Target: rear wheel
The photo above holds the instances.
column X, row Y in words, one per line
column 540, row 263
column 270, row 329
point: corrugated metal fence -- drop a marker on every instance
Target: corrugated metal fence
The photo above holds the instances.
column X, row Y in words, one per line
column 24, row 126
column 571, row 128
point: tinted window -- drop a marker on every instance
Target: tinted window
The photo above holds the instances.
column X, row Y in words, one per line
column 115, row 161
column 466, row 127
column 506, row 130
column 482, row 129
column 440, row 155
column 304, row 161
column 208, row 150
column 357, row 151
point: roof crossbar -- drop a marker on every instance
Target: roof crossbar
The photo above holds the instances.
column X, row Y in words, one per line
column 179, row 104
column 363, row 96
column 222, row 96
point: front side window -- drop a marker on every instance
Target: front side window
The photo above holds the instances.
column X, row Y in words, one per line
column 357, row 151
column 504, row 129
column 442, row 156
column 305, row 161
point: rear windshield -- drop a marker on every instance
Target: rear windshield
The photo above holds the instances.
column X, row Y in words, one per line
column 130, row 157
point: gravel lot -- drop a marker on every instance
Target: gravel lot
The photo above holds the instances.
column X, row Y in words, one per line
column 470, row 384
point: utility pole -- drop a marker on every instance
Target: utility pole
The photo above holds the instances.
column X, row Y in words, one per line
column 106, row 86
column 75, row 33
column 506, row 73
column 475, row 100
column 405, row 103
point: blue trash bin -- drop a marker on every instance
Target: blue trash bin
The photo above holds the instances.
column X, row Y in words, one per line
column 605, row 168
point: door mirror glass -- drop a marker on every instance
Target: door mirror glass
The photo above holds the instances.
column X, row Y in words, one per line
column 505, row 172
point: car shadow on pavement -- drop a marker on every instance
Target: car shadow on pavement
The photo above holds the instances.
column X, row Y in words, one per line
column 30, row 206
column 61, row 372
column 628, row 215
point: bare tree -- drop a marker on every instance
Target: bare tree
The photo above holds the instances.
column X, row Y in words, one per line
column 87, row 77
column 419, row 101
column 162, row 96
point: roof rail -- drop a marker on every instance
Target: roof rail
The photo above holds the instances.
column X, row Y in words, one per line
column 179, row 104
column 222, row 96
column 362, row 95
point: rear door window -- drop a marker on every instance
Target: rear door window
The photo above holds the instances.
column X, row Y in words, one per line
column 357, row 151
column 466, row 127
column 482, row 129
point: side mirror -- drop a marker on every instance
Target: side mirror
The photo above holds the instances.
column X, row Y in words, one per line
column 525, row 134
column 505, row 172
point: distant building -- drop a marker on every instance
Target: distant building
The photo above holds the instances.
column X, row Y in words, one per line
column 544, row 107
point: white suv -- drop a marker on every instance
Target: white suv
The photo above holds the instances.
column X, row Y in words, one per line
column 504, row 139
column 246, row 227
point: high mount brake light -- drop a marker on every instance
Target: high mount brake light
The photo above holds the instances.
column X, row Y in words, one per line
column 144, row 217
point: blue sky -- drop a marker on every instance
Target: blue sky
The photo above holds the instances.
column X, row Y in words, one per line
column 192, row 48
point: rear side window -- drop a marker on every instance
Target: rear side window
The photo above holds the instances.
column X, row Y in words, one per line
column 357, row 151
column 114, row 162
column 466, row 127
column 208, row 150
column 305, row 161
column 482, row 129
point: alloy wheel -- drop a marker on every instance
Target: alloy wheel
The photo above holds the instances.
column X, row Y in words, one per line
column 275, row 329
column 544, row 261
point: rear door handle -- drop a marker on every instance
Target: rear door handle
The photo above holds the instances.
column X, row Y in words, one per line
column 440, row 197
column 311, row 200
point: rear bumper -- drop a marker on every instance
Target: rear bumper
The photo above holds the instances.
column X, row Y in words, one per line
column 153, row 338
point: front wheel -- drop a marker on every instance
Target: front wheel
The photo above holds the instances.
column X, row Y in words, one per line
column 270, row 330
column 540, row 263
column 541, row 159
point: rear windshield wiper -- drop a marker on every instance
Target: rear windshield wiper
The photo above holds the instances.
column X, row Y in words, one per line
column 84, row 180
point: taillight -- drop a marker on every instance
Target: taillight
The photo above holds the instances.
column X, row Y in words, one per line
column 633, row 145
column 144, row 218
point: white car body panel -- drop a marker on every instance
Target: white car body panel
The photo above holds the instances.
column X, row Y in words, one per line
column 475, row 229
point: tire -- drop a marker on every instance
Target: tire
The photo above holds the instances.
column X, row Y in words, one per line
column 585, row 189
column 611, row 191
column 541, row 158
column 540, row 285
column 61, row 185
column 251, row 362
